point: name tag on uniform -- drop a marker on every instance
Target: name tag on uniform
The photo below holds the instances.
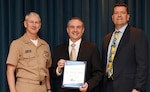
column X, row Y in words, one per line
column 27, row 51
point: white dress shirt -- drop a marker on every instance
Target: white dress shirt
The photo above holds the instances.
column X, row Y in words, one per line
column 121, row 31
column 77, row 46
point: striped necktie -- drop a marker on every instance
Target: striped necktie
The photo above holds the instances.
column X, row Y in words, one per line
column 73, row 52
column 112, row 55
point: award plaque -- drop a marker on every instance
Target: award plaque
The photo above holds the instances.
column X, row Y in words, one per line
column 74, row 74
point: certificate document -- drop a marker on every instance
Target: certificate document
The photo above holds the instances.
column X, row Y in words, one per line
column 74, row 74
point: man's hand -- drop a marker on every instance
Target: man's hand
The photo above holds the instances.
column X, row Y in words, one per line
column 84, row 87
column 134, row 90
column 11, row 77
column 60, row 64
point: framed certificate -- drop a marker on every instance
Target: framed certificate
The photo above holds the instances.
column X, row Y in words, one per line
column 74, row 74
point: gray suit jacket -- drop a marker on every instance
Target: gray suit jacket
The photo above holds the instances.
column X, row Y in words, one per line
column 131, row 60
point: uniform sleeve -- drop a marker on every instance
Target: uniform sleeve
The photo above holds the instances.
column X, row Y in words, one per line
column 49, row 62
column 13, row 55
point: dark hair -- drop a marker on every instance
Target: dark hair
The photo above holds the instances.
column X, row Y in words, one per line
column 122, row 4
column 77, row 18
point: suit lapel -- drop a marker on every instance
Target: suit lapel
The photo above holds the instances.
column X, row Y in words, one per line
column 106, row 45
column 80, row 50
column 123, row 40
column 65, row 51
column 107, row 41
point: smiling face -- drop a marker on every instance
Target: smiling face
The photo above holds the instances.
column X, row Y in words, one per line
column 32, row 23
column 120, row 16
column 75, row 29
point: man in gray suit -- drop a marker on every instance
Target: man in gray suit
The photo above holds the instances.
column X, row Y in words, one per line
column 130, row 63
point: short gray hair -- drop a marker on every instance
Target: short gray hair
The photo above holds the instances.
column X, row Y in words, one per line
column 32, row 13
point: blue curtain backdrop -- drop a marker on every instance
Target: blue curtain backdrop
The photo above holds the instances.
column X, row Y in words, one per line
column 96, row 15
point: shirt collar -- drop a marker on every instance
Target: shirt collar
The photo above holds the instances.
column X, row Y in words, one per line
column 27, row 39
column 77, row 42
column 122, row 29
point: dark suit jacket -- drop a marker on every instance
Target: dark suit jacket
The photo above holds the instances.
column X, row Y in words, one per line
column 87, row 52
column 131, row 60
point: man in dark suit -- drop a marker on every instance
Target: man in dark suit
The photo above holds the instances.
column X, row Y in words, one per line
column 85, row 51
column 130, row 63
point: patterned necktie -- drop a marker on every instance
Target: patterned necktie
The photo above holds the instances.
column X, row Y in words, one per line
column 73, row 52
column 112, row 55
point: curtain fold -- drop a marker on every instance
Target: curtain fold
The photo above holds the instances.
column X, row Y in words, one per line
column 96, row 15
